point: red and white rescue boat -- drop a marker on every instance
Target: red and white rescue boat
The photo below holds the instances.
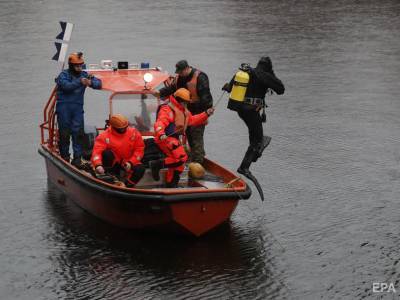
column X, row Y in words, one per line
column 195, row 207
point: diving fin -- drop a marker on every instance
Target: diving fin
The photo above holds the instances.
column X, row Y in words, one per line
column 250, row 176
column 251, row 153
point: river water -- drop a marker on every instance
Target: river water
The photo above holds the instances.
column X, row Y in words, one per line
column 330, row 225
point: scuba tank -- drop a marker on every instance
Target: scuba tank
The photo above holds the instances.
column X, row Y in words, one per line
column 240, row 83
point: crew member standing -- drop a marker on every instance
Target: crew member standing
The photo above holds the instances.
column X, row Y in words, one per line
column 172, row 120
column 119, row 148
column 198, row 85
column 71, row 86
column 248, row 89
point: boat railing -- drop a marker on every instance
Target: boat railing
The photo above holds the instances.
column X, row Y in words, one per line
column 48, row 129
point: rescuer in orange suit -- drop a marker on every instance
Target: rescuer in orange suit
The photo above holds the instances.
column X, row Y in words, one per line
column 119, row 148
column 173, row 118
column 197, row 83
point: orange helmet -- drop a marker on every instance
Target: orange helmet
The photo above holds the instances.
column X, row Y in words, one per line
column 182, row 94
column 76, row 58
column 119, row 121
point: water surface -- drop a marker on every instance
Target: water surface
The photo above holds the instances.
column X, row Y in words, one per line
column 329, row 227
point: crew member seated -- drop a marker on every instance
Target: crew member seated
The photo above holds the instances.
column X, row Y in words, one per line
column 119, row 150
column 173, row 118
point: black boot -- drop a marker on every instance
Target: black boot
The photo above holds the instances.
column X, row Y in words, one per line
column 261, row 147
column 77, row 162
column 251, row 153
column 175, row 180
column 137, row 174
column 66, row 158
column 156, row 166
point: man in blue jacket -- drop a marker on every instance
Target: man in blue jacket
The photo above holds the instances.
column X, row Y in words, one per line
column 71, row 85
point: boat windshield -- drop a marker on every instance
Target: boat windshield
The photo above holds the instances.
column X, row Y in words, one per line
column 140, row 109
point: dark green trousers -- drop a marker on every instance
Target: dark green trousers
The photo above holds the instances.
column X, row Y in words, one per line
column 195, row 136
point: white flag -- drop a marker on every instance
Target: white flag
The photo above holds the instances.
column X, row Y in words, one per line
column 61, row 52
column 65, row 34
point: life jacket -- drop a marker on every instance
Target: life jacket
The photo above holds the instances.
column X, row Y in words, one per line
column 191, row 85
column 178, row 127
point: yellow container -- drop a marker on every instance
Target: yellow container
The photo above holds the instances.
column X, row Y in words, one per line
column 239, row 87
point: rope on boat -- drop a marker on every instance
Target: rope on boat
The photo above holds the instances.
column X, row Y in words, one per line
column 229, row 184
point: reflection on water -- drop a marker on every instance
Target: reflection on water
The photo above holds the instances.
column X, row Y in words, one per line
column 95, row 259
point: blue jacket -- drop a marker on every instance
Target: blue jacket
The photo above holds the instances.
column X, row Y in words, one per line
column 70, row 89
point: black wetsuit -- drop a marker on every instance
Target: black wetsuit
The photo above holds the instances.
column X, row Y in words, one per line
column 262, row 78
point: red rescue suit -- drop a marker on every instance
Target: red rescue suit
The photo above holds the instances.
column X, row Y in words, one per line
column 175, row 114
column 125, row 147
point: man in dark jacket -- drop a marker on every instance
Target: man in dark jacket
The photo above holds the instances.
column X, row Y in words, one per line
column 261, row 79
column 71, row 86
column 197, row 83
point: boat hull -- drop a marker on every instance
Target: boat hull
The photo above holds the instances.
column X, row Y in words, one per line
column 193, row 214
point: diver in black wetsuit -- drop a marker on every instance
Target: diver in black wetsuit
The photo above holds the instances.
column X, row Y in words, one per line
column 255, row 86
